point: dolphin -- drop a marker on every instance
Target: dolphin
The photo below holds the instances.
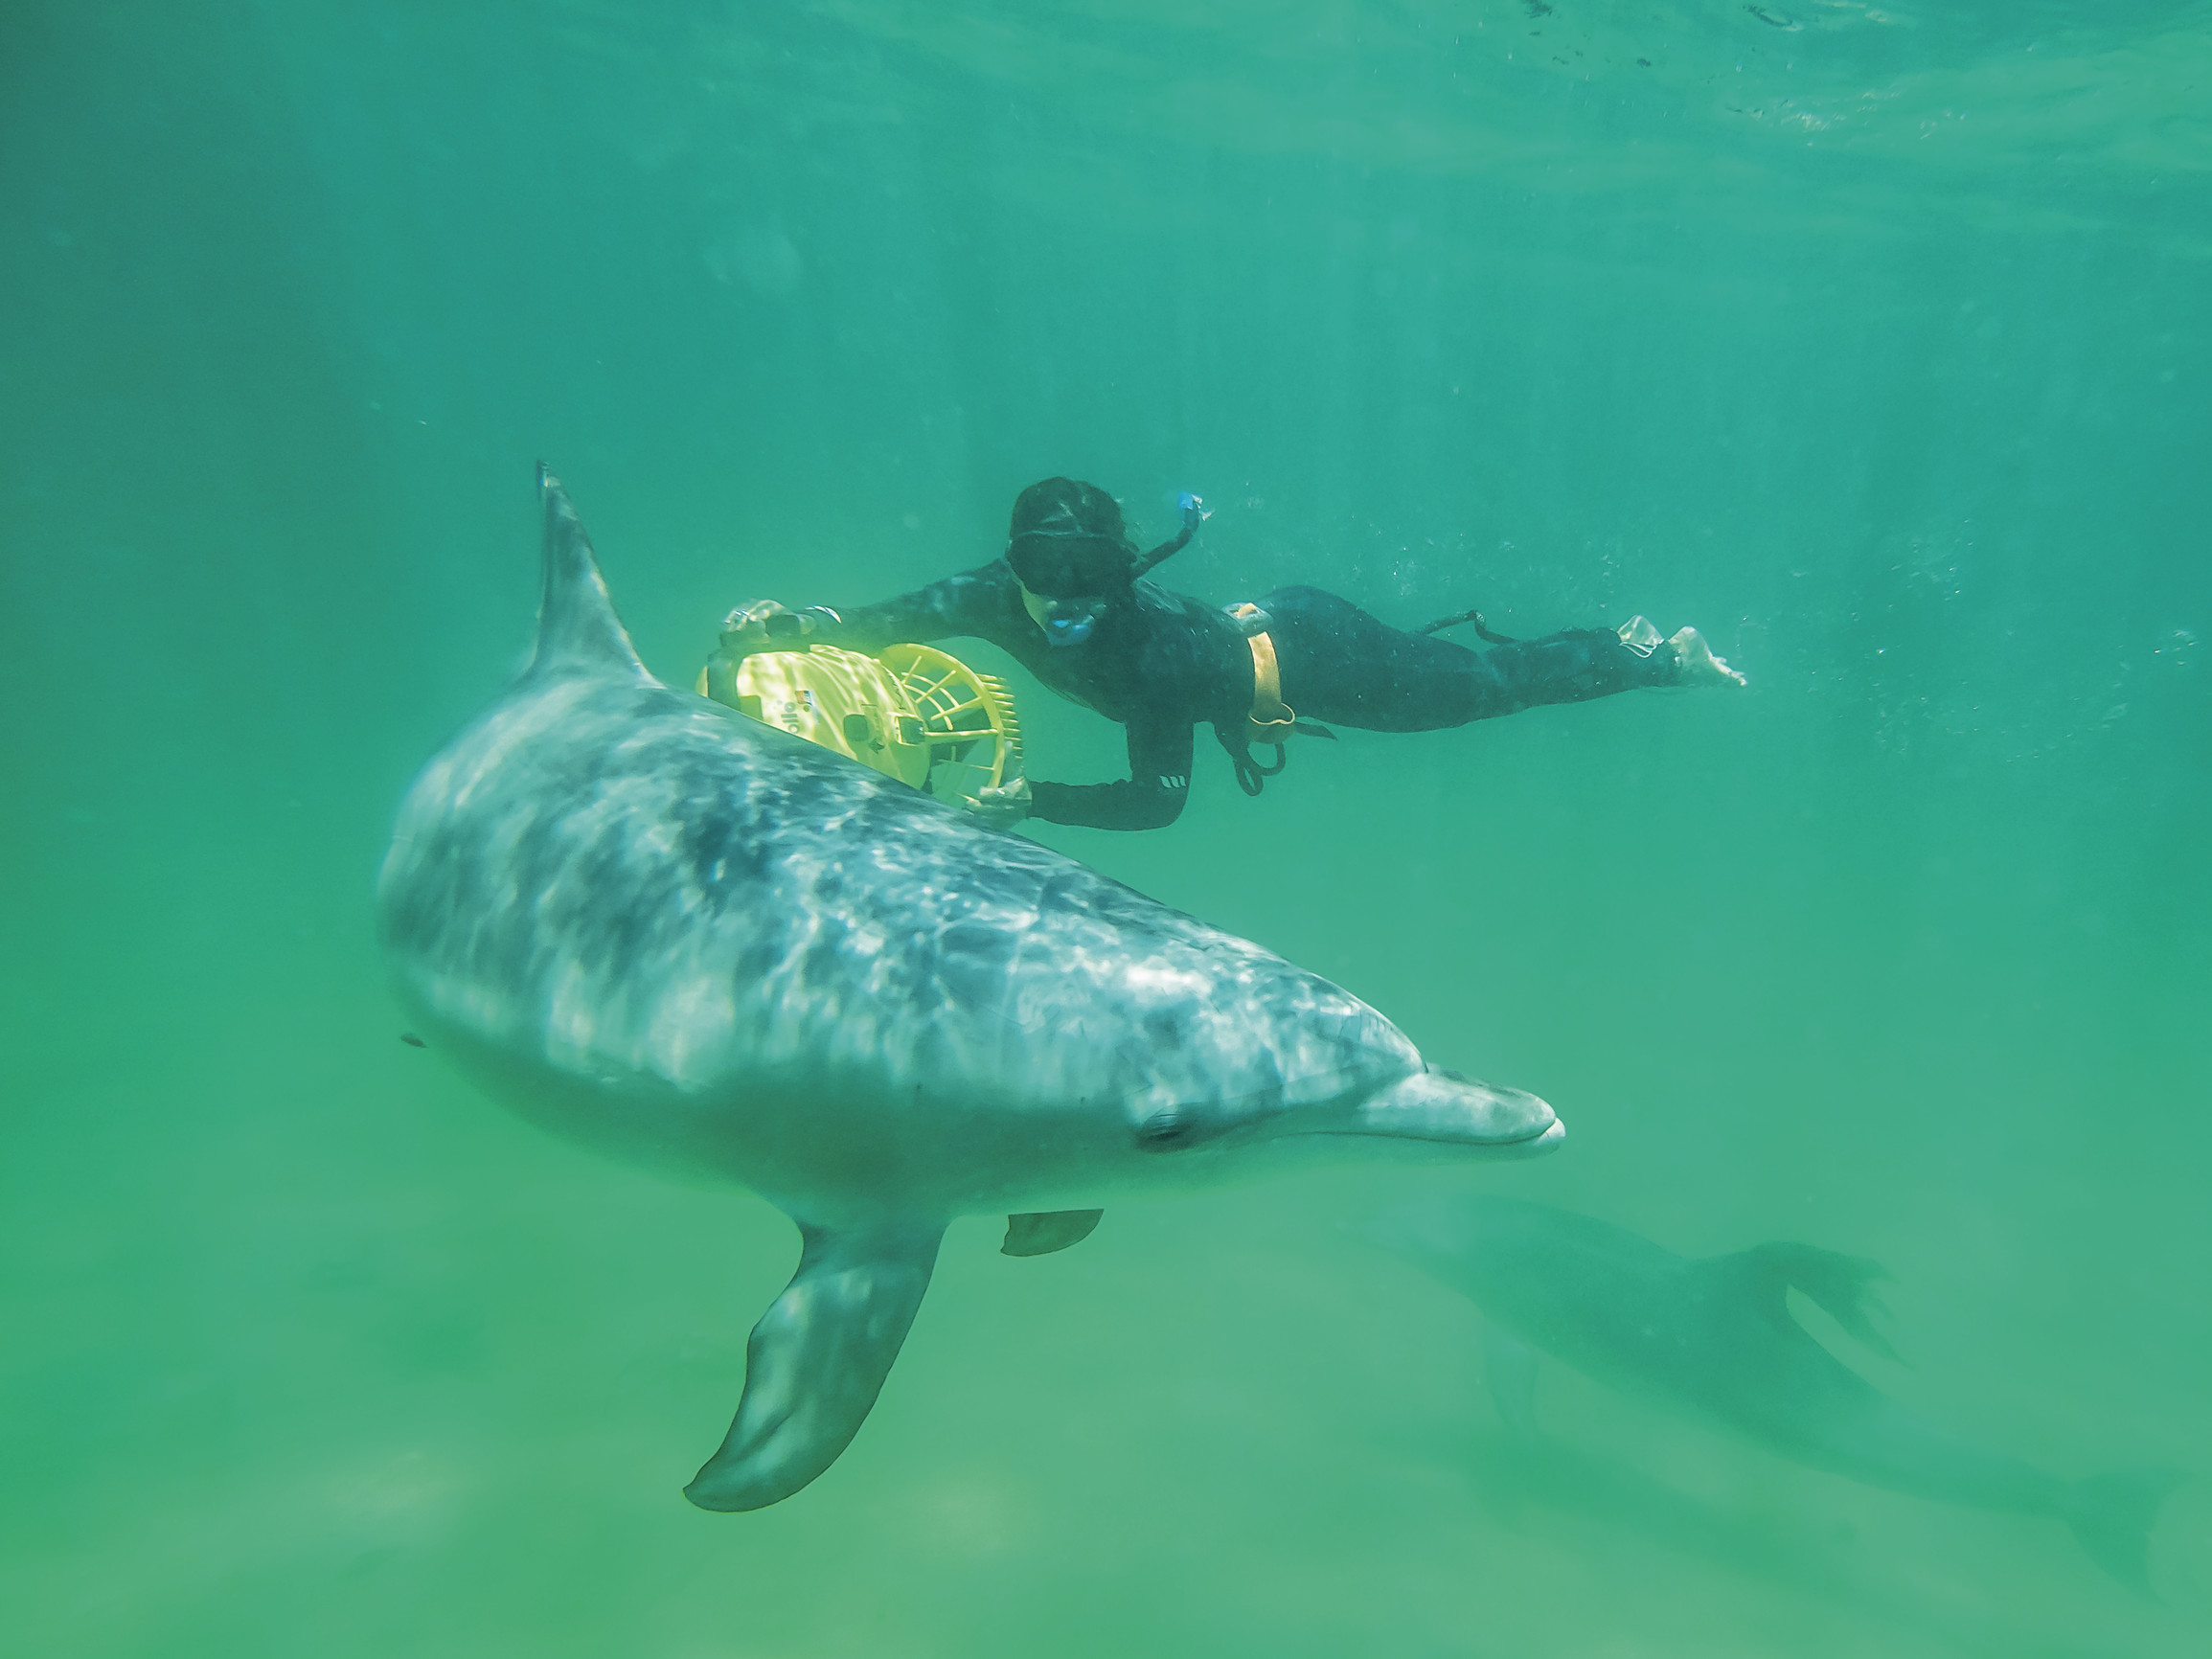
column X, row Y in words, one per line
column 689, row 939
column 1715, row 1338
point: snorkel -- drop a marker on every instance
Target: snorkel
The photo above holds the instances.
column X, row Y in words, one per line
column 1194, row 513
column 1066, row 621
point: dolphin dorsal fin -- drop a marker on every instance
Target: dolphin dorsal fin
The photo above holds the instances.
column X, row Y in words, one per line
column 578, row 632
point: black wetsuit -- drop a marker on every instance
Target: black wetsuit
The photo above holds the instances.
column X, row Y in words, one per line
column 1161, row 664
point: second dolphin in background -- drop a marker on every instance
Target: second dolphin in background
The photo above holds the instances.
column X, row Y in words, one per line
column 1716, row 1337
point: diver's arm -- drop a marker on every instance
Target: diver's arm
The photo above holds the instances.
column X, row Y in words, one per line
column 1150, row 797
column 980, row 603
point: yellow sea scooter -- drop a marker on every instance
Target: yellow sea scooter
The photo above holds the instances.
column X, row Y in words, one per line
column 913, row 712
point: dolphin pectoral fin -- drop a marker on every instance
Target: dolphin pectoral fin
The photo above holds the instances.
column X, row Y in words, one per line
column 1508, row 1367
column 816, row 1361
column 1841, row 1286
column 1041, row 1232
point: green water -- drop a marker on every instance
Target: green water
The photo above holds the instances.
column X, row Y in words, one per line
column 1873, row 341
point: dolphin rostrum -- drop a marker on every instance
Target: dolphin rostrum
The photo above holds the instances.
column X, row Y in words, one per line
column 685, row 937
column 1716, row 1337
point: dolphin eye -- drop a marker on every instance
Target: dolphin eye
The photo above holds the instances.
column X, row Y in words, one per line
column 1162, row 1131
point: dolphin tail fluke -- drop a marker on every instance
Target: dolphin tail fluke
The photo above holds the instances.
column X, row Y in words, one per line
column 1842, row 1285
column 1041, row 1232
column 2111, row 1515
column 817, row 1360
column 578, row 631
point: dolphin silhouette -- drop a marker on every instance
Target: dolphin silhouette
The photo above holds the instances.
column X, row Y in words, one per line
column 684, row 936
column 1716, row 1337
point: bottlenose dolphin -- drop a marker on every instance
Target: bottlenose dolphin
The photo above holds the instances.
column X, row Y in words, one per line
column 1716, row 1337
column 682, row 936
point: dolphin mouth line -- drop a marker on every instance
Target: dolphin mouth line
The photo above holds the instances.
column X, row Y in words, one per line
column 1435, row 1140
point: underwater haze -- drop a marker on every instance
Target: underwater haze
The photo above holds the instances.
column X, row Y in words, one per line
column 1874, row 341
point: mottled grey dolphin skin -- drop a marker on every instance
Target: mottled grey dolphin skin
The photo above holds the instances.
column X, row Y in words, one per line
column 685, row 937
column 1717, row 1337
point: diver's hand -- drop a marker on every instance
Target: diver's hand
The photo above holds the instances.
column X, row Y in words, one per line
column 1003, row 805
column 1699, row 667
column 762, row 624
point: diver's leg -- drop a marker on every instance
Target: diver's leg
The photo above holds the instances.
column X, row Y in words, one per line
column 1562, row 668
column 1340, row 664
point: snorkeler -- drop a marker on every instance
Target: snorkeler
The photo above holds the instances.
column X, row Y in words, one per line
column 1068, row 600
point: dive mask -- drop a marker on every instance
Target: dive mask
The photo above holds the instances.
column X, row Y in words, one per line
column 1070, row 574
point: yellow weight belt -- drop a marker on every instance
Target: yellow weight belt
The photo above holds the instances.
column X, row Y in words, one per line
column 1272, row 719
